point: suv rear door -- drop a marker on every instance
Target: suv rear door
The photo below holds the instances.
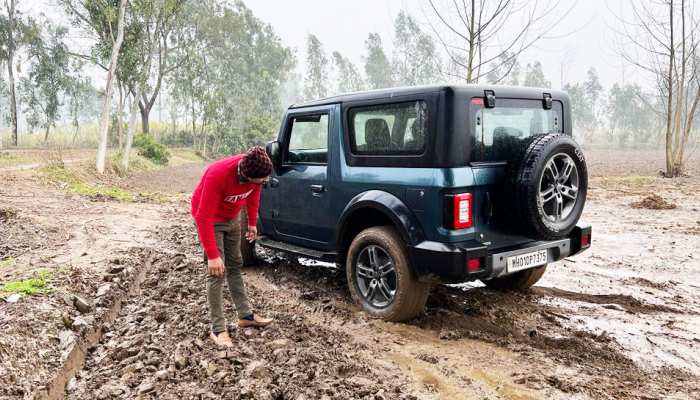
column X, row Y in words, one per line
column 297, row 196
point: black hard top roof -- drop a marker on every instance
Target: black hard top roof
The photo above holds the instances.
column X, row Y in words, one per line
column 467, row 90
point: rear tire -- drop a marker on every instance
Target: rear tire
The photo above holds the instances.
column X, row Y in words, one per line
column 521, row 281
column 247, row 248
column 409, row 295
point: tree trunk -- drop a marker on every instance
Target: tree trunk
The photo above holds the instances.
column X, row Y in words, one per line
column 77, row 131
column 107, row 103
column 130, row 130
column 46, row 135
column 145, row 113
column 10, row 72
column 669, row 100
column 194, row 126
column 120, row 115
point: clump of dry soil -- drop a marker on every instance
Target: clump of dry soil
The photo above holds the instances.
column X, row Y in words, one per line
column 653, row 202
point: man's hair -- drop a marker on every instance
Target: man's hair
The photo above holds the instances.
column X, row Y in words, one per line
column 256, row 163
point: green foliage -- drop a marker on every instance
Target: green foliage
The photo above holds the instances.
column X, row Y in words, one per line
column 534, row 76
column 630, row 118
column 506, row 71
column 34, row 285
column 584, row 105
column 416, row 60
column 377, row 65
column 232, row 71
column 347, row 75
column 316, row 70
column 69, row 180
column 150, row 149
column 48, row 78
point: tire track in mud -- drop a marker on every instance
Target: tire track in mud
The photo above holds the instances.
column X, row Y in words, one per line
column 55, row 389
column 574, row 362
column 159, row 346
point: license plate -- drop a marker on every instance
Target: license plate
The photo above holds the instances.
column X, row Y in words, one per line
column 525, row 261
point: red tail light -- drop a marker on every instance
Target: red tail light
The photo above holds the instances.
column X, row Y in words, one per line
column 585, row 240
column 473, row 264
column 462, row 211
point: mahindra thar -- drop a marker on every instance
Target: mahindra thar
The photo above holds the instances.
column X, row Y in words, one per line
column 410, row 187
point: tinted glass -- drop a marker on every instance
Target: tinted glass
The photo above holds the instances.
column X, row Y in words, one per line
column 501, row 133
column 389, row 129
column 308, row 142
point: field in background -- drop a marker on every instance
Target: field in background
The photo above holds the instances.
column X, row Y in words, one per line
column 64, row 136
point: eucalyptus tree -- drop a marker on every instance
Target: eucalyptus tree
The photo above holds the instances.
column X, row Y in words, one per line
column 82, row 98
column 505, row 70
column 3, row 103
column 16, row 31
column 316, row 80
column 347, row 76
column 415, row 57
column 230, row 76
column 534, row 76
column 586, row 110
column 48, row 79
column 377, row 64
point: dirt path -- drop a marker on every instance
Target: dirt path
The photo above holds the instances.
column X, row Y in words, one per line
column 24, row 167
column 620, row 321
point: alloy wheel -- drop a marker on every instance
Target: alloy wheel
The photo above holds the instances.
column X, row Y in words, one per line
column 376, row 276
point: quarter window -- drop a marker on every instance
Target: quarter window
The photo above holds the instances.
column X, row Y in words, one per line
column 389, row 129
column 308, row 141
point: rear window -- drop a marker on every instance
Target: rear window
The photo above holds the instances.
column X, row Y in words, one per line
column 389, row 129
column 502, row 132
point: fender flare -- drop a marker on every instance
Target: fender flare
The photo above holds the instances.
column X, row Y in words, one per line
column 389, row 205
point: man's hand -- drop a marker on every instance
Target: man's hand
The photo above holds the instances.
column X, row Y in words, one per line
column 252, row 233
column 216, row 267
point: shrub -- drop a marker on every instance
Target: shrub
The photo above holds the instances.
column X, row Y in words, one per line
column 152, row 150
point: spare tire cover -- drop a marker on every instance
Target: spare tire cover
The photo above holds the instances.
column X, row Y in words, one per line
column 551, row 182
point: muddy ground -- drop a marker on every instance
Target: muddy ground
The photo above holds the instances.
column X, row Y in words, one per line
column 619, row 321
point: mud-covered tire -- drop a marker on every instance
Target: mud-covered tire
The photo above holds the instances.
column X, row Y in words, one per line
column 521, row 280
column 247, row 248
column 532, row 173
column 410, row 295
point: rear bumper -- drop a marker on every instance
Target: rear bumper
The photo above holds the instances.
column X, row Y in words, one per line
column 447, row 263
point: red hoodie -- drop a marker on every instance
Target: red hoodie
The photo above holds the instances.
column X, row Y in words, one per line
column 219, row 197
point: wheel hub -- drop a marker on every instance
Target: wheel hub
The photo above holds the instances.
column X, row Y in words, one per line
column 376, row 276
column 558, row 189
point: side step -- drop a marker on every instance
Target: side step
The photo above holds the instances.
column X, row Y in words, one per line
column 268, row 243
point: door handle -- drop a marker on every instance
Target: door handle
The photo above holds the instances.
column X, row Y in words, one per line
column 318, row 188
column 274, row 182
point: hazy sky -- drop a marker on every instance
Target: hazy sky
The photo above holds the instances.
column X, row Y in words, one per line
column 588, row 33
column 584, row 38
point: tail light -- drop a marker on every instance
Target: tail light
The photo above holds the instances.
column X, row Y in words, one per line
column 473, row 264
column 585, row 240
column 462, row 211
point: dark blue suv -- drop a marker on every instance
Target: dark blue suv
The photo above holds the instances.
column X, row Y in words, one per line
column 411, row 187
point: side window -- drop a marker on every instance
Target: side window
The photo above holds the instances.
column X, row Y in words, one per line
column 308, row 141
column 389, row 129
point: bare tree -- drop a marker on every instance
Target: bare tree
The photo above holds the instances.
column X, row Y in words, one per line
column 662, row 40
column 481, row 36
column 107, row 103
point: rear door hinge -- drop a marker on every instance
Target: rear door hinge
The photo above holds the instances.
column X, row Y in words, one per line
column 547, row 101
column 490, row 98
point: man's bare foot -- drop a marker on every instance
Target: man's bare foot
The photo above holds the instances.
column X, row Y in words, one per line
column 222, row 339
column 257, row 322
